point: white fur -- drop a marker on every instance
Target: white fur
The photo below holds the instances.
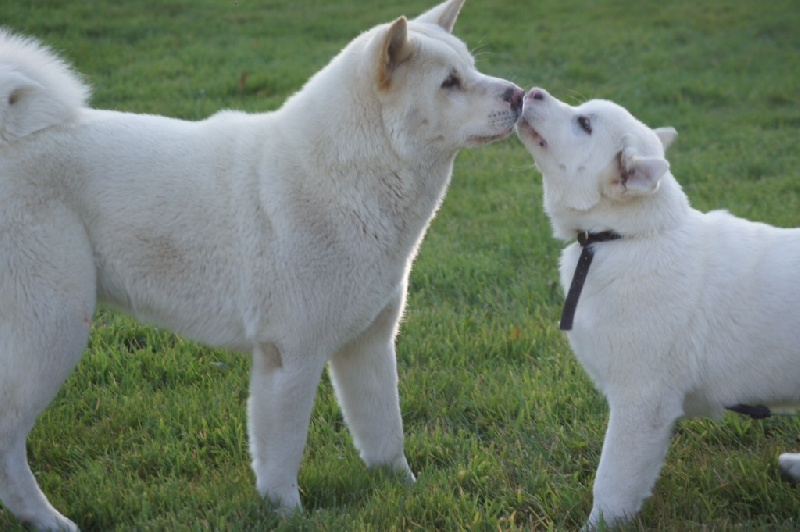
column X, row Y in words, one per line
column 789, row 465
column 688, row 313
column 289, row 235
column 28, row 74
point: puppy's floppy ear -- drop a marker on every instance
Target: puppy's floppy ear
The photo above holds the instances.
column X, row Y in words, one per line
column 666, row 135
column 444, row 15
column 395, row 49
column 640, row 176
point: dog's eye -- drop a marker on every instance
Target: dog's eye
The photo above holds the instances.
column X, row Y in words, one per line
column 452, row 82
column 586, row 124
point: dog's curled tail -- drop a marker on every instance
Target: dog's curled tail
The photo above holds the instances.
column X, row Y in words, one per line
column 37, row 89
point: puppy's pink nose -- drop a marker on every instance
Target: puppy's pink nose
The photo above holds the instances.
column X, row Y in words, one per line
column 536, row 94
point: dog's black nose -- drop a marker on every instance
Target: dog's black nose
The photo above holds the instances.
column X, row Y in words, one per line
column 514, row 96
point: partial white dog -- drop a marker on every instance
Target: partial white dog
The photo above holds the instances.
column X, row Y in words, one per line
column 682, row 313
column 288, row 234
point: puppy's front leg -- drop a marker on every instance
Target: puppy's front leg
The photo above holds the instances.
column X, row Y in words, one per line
column 282, row 391
column 637, row 439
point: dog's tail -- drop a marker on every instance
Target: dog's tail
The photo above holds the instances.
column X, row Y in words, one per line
column 37, row 89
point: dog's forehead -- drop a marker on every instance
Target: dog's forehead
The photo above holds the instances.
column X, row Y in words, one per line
column 616, row 120
column 606, row 109
column 440, row 42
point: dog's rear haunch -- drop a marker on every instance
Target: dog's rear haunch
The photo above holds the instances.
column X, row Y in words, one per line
column 288, row 235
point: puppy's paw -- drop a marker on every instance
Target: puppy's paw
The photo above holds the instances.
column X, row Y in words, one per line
column 608, row 519
column 789, row 466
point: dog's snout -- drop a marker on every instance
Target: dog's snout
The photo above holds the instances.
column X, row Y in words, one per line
column 514, row 96
column 536, row 94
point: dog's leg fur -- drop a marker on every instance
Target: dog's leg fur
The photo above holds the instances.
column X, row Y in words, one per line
column 283, row 385
column 636, row 443
column 47, row 290
column 789, row 465
column 19, row 491
column 364, row 377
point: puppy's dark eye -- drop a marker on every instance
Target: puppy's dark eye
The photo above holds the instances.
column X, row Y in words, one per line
column 452, row 82
column 586, row 124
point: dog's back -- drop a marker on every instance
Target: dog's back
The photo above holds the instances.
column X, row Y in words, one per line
column 744, row 329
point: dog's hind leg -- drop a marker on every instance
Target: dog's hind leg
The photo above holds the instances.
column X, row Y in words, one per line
column 47, row 297
column 364, row 376
column 19, row 490
column 282, row 391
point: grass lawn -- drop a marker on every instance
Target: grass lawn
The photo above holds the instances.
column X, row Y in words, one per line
column 503, row 428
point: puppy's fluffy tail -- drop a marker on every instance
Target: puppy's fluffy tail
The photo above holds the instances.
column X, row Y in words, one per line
column 37, row 89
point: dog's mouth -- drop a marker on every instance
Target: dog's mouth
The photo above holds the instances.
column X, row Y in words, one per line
column 525, row 127
column 507, row 119
column 487, row 139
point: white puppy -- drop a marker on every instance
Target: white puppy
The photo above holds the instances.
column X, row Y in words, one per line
column 289, row 235
column 682, row 313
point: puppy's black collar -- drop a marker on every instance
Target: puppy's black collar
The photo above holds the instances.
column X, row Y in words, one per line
column 585, row 239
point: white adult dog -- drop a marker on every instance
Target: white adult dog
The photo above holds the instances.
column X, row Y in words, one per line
column 682, row 313
column 288, row 234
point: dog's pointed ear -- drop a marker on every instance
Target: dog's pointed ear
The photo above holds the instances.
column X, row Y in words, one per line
column 640, row 176
column 666, row 135
column 444, row 15
column 395, row 49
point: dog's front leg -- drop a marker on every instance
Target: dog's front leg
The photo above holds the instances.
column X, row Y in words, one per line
column 637, row 439
column 282, row 391
column 364, row 375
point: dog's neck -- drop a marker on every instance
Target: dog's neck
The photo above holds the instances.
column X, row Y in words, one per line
column 662, row 211
column 641, row 217
column 585, row 239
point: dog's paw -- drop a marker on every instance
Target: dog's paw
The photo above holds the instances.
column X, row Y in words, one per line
column 789, row 466
column 56, row 522
column 283, row 502
column 408, row 476
column 397, row 466
column 607, row 519
column 401, row 467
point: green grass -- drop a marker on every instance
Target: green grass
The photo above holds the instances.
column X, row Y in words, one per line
column 503, row 427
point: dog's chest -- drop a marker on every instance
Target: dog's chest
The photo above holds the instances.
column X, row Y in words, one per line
column 605, row 311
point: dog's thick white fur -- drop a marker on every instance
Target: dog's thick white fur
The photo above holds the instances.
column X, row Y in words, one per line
column 289, row 235
column 684, row 315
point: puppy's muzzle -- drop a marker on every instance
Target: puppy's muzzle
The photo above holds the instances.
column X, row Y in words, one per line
column 536, row 94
